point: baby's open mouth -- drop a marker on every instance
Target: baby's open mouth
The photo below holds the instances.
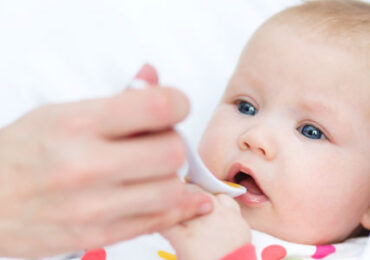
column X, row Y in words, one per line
column 242, row 175
column 248, row 182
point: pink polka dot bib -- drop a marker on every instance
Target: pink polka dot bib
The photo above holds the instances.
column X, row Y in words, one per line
column 271, row 248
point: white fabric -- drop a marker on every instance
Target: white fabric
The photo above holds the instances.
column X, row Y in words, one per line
column 351, row 249
column 366, row 253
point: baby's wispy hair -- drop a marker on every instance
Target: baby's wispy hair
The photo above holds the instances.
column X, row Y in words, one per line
column 344, row 22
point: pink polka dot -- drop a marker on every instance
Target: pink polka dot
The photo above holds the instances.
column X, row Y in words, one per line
column 96, row 254
column 273, row 252
column 323, row 251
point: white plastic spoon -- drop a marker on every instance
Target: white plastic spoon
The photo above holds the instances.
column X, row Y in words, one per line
column 197, row 172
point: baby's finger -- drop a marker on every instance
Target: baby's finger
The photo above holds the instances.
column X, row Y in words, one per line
column 197, row 188
column 227, row 201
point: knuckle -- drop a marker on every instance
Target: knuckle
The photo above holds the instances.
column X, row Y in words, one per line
column 74, row 173
column 70, row 118
column 95, row 214
column 77, row 214
column 76, row 167
column 81, row 174
column 83, row 215
column 59, row 119
column 76, row 122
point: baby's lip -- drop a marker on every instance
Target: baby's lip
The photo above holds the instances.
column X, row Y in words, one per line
column 237, row 167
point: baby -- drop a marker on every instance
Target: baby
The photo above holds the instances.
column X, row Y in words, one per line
column 293, row 127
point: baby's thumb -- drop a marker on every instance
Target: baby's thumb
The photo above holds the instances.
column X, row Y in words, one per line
column 227, row 202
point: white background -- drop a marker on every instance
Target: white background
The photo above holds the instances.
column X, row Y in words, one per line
column 55, row 51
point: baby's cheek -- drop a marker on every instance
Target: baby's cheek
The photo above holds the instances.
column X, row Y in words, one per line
column 209, row 154
column 213, row 152
column 311, row 209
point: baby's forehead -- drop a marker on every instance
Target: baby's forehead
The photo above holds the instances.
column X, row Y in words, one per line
column 344, row 24
column 332, row 37
column 338, row 79
column 294, row 35
column 303, row 68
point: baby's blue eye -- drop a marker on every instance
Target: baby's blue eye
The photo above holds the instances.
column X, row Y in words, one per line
column 246, row 108
column 311, row 132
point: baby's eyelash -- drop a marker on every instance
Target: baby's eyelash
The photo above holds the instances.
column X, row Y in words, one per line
column 248, row 99
column 313, row 131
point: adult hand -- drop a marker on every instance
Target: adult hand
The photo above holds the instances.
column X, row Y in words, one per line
column 91, row 173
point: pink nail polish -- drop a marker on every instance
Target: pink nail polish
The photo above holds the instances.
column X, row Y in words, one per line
column 148, row 74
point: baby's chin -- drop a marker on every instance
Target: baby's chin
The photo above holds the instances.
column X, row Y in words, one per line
column 260, row 220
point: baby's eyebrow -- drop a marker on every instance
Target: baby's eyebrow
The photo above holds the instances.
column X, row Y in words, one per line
column 315, row 106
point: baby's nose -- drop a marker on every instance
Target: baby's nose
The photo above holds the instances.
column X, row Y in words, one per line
column 259, row 142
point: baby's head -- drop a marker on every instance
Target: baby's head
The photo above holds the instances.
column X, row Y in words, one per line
column 295, row 118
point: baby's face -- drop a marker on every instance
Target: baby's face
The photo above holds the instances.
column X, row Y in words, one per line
column 295, row 116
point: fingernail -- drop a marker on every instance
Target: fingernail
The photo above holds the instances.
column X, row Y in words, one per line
column 148, row 73
column 204, row 208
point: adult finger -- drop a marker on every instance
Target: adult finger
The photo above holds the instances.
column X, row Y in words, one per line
column 139, row 225
column 128, row 113
column 138, row 158
column 136, row 111
column 104, row 204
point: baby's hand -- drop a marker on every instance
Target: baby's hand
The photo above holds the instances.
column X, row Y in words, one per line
column 211, row 236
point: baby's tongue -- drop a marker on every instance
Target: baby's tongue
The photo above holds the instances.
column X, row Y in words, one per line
column 251, row 186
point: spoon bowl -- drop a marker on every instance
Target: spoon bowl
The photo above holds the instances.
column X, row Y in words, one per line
column 199, row 174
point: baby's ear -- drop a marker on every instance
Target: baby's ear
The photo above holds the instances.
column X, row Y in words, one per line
column 365, row 220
